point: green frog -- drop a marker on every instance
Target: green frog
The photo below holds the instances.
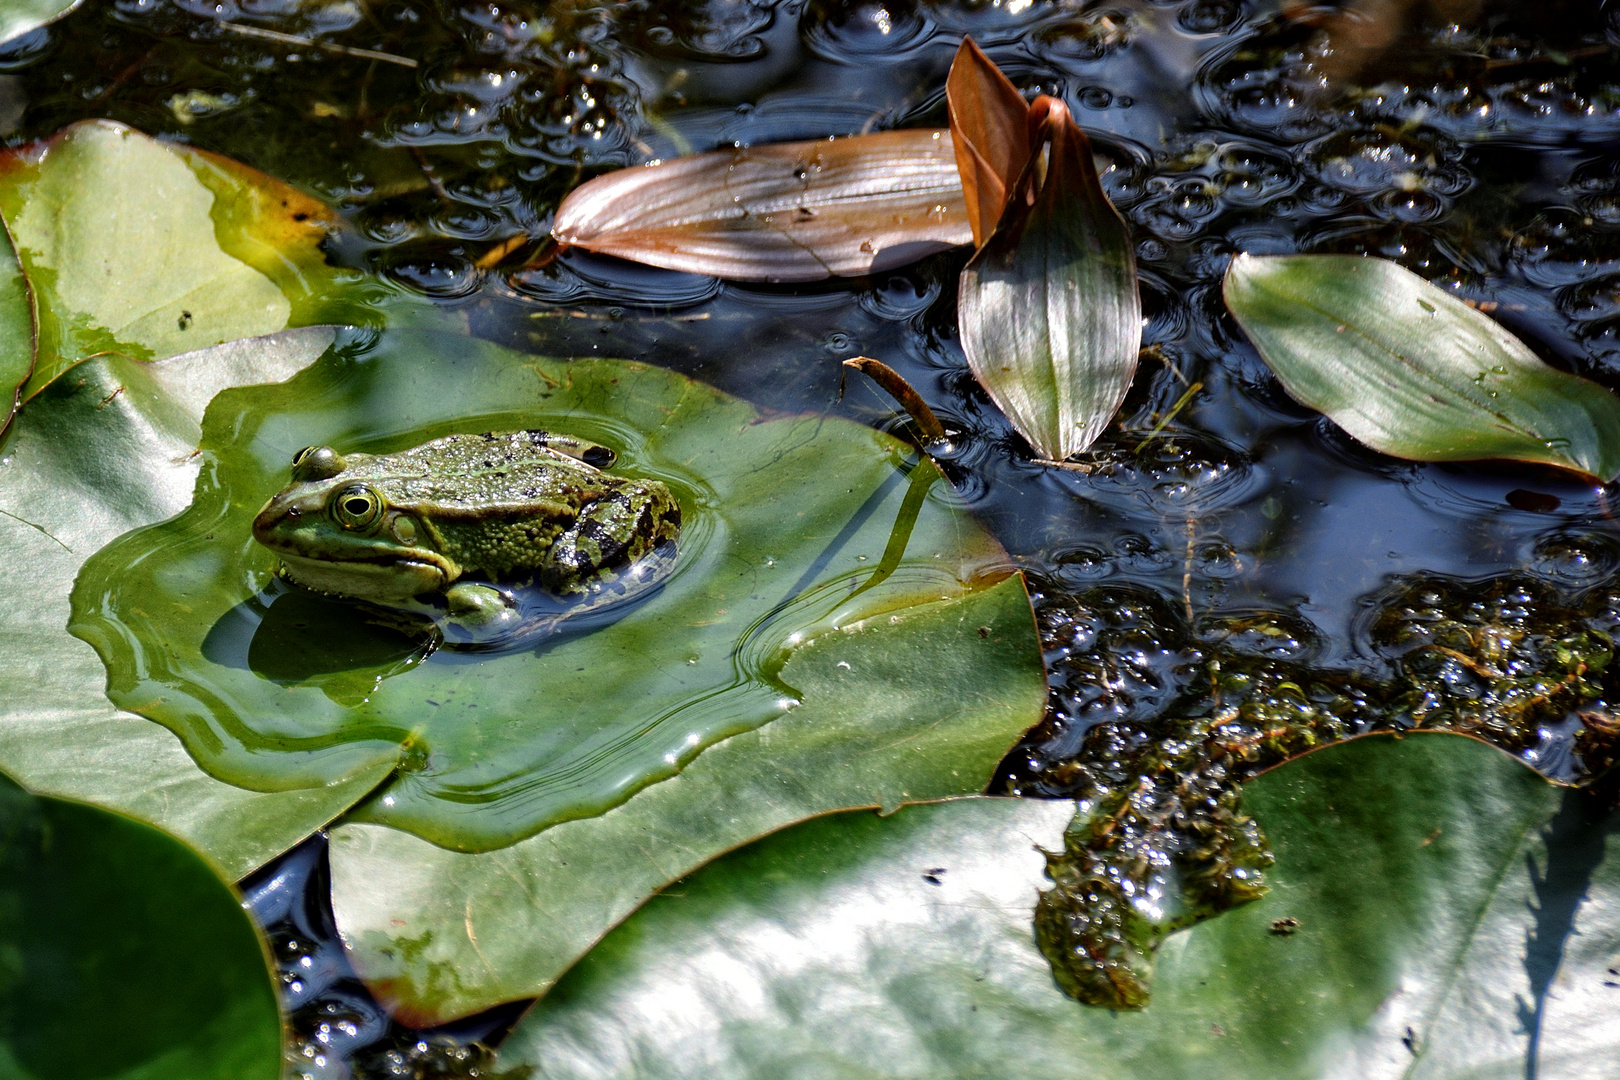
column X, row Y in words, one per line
column 446, row 528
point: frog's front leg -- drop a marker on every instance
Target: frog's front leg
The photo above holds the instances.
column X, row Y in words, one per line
column 483, row 611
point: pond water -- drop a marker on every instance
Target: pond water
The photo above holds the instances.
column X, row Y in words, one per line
column 1250, row 562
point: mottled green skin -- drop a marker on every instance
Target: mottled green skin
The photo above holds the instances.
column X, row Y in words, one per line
column 451, row 514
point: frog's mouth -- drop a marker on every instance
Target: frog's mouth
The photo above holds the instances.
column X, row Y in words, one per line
column 384, row 579
column 361, row 569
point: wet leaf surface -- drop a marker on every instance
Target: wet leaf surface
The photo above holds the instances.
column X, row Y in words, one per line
column 790, row 527
column 16, row 331
column 911, row 705
column 1412, row 371
column 25, row 16
column 1419, row 924
column 780, row 212
column 113, row 448
column 1048, row 308
column 125, row 956
column 151, row 249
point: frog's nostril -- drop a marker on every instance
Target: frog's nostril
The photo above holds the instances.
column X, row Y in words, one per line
column 264, row 522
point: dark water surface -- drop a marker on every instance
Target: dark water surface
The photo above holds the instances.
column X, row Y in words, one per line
column 1477, row 144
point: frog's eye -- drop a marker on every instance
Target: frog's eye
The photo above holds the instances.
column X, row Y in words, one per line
column 357, row 508
column 316, row 463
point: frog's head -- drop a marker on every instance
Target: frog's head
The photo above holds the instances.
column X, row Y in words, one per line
column 336, row 533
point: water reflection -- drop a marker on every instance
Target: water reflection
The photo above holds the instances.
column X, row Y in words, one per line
column 292, row 636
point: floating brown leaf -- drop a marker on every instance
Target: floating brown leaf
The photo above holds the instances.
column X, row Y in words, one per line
column 782, row 212
column 990, row 130
column 1048, row 308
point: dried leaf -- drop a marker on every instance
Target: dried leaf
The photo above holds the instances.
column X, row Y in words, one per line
column 990, row 130
column 783, row 212
column 1048, row 309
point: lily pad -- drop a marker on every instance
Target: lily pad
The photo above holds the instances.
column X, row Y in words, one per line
column 909, row 705
column 16, row 331
column 1412, row 371
column 1419, row 925
column 150, row 249
column 20, row 17
column 793, row 526
column 123, row 955
column 112, row 448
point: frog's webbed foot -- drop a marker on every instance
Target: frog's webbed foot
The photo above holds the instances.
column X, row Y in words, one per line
column 481, row 612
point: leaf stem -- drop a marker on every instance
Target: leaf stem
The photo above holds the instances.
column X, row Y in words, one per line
column 1181, row 403
column 311, row 43
column 897, row 387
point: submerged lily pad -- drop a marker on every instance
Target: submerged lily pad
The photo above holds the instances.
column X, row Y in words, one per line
column 1419, row 925
column 792, row 527
column 152, row 249
column 123, row 955
column 113, row 448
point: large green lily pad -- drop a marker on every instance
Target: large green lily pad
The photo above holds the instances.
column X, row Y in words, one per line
column 122, row 955
column 152, row 249
column 792, row 527
column 1433, row 883
column 110, row 448
column 905, row 706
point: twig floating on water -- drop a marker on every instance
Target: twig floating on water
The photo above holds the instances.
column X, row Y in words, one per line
column 311, row 43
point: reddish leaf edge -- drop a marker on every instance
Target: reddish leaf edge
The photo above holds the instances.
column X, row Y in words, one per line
column 1058, row 172
column 990, row 133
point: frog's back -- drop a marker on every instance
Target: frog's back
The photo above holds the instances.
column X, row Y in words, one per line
column 497, row 503
column 483, row 477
